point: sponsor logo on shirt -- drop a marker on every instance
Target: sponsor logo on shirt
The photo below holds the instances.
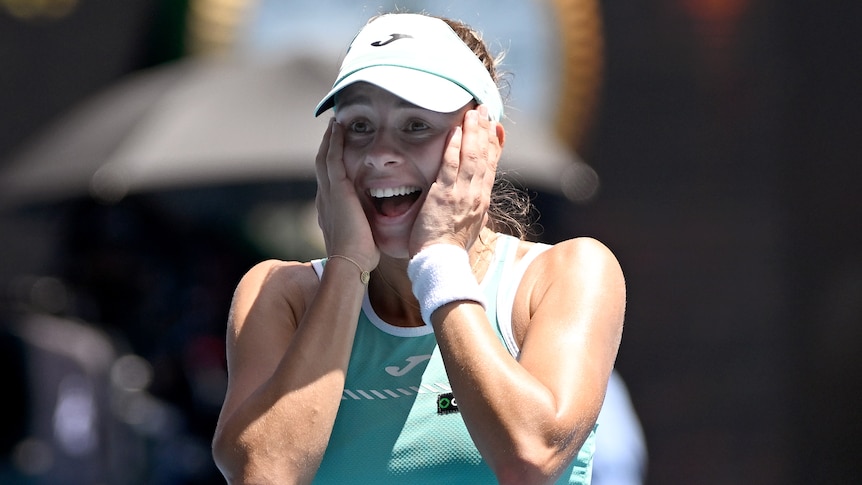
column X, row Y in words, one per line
column 446, row 404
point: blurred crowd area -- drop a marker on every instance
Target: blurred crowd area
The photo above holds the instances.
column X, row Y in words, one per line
column 116, row 357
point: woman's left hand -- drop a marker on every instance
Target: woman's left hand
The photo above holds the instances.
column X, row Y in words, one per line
column 456, row 208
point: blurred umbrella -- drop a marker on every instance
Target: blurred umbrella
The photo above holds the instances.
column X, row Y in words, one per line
column 207, row 122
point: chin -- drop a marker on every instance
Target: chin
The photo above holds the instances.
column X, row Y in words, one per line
column 393, row 247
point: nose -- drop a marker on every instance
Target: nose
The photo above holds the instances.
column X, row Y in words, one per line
column 383, row 151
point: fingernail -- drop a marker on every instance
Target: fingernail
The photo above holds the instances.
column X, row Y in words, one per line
column 483, row 110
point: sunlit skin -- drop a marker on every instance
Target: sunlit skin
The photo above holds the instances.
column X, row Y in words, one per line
column 290, row 332
column 385, row 145
column 389, row 144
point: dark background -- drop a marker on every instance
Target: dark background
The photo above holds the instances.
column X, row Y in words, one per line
column 727, row 141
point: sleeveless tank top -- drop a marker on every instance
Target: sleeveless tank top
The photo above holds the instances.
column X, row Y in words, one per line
column 398, row 422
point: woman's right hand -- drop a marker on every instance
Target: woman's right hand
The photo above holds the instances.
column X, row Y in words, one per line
column 339, row 213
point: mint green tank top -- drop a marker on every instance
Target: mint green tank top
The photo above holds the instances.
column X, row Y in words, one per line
column 398, row 421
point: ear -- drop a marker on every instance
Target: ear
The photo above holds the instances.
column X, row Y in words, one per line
column 500, row 133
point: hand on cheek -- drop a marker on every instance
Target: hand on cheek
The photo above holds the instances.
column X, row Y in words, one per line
column 456, row 207
column 339, row 213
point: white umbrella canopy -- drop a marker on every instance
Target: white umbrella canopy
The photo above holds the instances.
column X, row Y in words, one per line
column 208, row 122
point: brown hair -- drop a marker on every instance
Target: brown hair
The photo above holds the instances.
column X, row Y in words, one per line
column 511, row 211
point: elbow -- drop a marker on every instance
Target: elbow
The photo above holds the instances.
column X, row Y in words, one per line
column 537, row 462
column 225, row 455
column 539, row 466
column 233, row 457
column 242, row 462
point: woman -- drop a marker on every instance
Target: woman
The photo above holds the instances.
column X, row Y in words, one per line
column 389, row 362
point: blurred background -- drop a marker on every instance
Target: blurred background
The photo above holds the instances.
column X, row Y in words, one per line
column 152, row 150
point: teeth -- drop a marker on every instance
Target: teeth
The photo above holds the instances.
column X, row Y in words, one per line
column 393, row 191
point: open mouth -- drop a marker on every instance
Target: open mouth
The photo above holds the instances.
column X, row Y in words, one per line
column 393, row 202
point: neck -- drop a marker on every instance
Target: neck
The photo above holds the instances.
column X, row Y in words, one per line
column 391, row 292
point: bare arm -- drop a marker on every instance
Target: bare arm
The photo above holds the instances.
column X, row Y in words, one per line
column 286, row 377
column 530, row 417
column 289, row 341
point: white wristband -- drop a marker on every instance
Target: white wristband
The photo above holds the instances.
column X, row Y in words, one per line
column 441, row 274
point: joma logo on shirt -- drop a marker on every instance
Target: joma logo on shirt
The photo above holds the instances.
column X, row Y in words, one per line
column 412, row 361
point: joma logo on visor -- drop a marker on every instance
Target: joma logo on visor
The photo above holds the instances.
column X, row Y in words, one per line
column 392, row 38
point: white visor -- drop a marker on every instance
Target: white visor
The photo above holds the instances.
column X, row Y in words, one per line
column 419, row 59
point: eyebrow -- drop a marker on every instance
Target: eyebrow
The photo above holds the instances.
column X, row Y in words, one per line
column 362, row 99
column 342, row 101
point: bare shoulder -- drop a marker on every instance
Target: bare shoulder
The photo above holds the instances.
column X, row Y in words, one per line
column 582, row 256
column 583, row 266
column 573, row 277
column 276, row 273
column 274, row 288
column 264, row 313
column 573, row 258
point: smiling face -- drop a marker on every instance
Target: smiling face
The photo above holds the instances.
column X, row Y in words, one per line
column 392, row 152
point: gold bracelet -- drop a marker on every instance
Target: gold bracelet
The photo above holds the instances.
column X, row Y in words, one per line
column 364, row 276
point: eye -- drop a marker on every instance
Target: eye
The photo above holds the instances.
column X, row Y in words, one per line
column 417, row 125
column 360, row 126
